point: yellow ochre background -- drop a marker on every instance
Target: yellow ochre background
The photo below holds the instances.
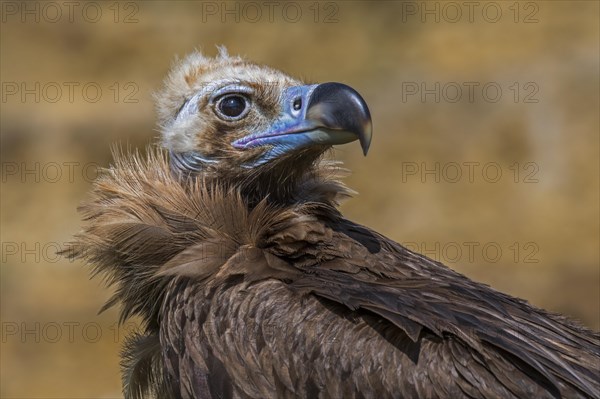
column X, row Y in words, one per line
column 485, row 152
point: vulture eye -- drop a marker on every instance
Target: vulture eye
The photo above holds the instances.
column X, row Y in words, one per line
column 297, row 104
column 232, row 107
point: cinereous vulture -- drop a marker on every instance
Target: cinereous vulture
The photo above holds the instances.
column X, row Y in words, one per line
column 228, row 245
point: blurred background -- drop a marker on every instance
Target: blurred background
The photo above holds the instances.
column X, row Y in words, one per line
column 485, row 153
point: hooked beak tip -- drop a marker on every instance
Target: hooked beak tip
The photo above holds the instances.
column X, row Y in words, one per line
column 365, row 137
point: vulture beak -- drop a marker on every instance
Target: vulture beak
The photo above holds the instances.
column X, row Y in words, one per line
column 321, row 114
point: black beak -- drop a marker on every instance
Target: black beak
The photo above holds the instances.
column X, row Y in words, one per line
column 338, row 107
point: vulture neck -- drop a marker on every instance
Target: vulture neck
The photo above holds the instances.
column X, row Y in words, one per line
column 296, row 179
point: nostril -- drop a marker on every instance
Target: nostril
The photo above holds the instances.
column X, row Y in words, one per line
column 297, row 104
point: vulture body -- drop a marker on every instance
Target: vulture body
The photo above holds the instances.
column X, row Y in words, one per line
column 251, row 284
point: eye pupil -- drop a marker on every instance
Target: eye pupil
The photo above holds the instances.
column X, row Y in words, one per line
column 297, row 104
column 232, row 106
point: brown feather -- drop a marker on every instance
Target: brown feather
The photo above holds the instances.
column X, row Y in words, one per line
column 292, row 300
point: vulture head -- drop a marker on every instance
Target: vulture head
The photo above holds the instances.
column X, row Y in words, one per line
column 252, row 126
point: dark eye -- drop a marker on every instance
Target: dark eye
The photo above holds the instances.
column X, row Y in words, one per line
column 297, row 104
column 232, row 106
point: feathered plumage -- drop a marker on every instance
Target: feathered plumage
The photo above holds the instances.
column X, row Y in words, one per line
column 250, row 282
